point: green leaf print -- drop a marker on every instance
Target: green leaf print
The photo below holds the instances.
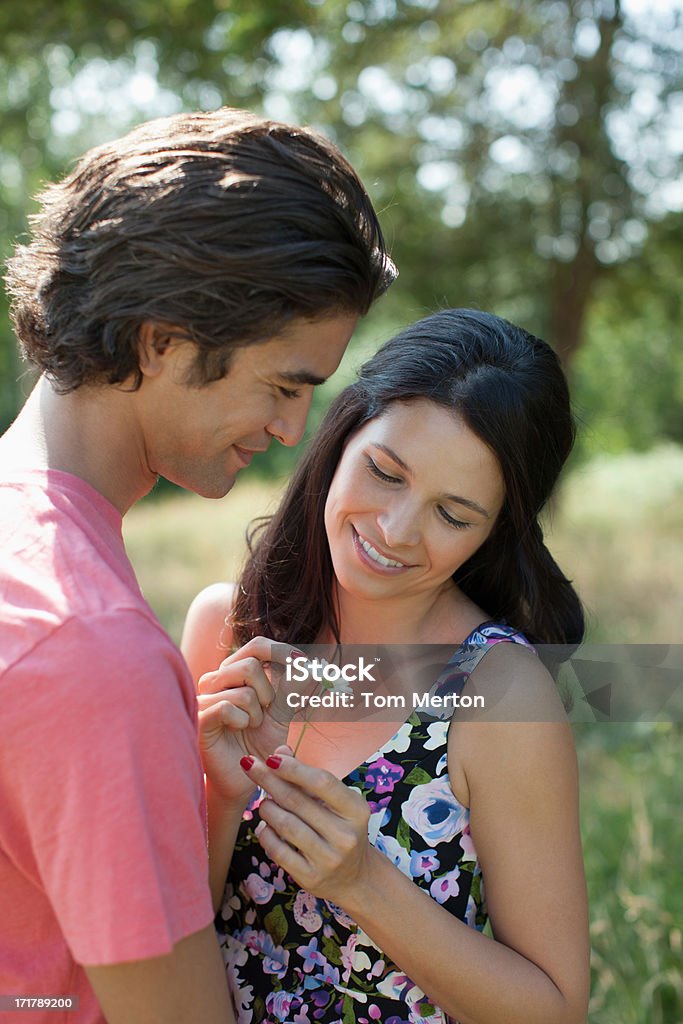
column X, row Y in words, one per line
column 331, row 950
column 276, row 925
column 403, row 834
column 417, row 777
column 349, row 1012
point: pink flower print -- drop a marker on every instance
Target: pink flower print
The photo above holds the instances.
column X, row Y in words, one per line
column 231, row 903
column 397, row 986
column 415, row 1015
column 306, row 912
column 328, row 975
column 382, row 775
column 347, row 952
column 312, row 956
column 379, row 805
column 275, row 958
column 279, row 1004
column 279, row 883
column 340, row 915
column 423, row 864
column 243, row 995
column 467, row 845
column 442, row 888
column 257, row 888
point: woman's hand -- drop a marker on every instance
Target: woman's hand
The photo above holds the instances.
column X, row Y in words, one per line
column 241, row 713
column 313, row 826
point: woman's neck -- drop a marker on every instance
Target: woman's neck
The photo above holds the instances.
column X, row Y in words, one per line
column 444, row 616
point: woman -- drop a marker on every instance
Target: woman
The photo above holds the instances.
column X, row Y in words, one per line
column 356, row 889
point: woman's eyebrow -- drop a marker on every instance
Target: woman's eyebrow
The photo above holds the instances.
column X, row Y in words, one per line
column 457, row 498
column 468, row 503
column 392, row 455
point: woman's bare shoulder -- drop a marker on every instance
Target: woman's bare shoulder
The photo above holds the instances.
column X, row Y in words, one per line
column 207, row 635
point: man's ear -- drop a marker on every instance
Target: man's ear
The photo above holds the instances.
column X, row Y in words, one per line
column 155, row 340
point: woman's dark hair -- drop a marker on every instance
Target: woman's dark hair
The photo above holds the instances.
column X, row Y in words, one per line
column 222, row 224
column 510, row 390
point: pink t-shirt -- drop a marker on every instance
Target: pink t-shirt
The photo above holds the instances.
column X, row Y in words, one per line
column 102, row 817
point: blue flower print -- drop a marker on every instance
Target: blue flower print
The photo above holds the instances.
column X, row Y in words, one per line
column 312, row 956
column 433, row 812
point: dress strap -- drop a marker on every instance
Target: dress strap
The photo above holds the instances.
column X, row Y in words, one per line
column 469, row 653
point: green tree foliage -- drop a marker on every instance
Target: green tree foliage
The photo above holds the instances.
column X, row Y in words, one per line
column 522, row 151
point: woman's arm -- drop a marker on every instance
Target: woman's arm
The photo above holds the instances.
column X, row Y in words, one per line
column 237, row 717
column 524, row 823
column 207, row 636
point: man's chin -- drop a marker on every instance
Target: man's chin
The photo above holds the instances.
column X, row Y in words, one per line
column 219, row 490
column 208, row 489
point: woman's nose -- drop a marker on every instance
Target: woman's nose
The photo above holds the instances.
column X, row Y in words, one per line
column 399, row 524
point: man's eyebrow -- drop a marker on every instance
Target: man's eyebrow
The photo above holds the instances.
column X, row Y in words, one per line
column 458, row 499
column 301, row 377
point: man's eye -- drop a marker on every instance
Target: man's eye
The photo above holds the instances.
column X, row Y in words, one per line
column 376, row 471
column 289, row 392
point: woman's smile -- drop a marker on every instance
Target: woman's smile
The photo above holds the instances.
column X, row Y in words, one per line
column 373, row 557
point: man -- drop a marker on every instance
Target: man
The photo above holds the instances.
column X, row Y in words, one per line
column 185, row 289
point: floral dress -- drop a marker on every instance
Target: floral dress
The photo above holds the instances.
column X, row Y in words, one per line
column 292, row 957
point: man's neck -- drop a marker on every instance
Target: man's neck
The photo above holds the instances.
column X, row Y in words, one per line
column 91, row 433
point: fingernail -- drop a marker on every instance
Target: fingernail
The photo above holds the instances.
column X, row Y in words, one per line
column 274, row 761
column 247, row 763
column 297, row 653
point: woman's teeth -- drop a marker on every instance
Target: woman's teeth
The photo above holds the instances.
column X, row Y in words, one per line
column 376, row 557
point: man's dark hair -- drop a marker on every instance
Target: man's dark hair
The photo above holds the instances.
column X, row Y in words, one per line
column 223, row 224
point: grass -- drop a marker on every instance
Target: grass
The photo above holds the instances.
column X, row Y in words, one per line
column 632, row 831
column 616, row 530
column 617, row 533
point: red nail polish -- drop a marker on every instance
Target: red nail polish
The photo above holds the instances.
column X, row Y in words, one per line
column 247, row 763
column 274, row 761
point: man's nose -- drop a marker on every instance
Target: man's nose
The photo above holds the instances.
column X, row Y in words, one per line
column 289, row 424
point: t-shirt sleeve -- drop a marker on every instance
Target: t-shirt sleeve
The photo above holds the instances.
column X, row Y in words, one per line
column 107, row 784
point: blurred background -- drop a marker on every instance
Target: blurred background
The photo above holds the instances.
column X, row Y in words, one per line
column 526, row 159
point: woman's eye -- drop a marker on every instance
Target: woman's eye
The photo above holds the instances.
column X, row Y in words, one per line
column 289, row 392
column 451, row 520
column 376, row 471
